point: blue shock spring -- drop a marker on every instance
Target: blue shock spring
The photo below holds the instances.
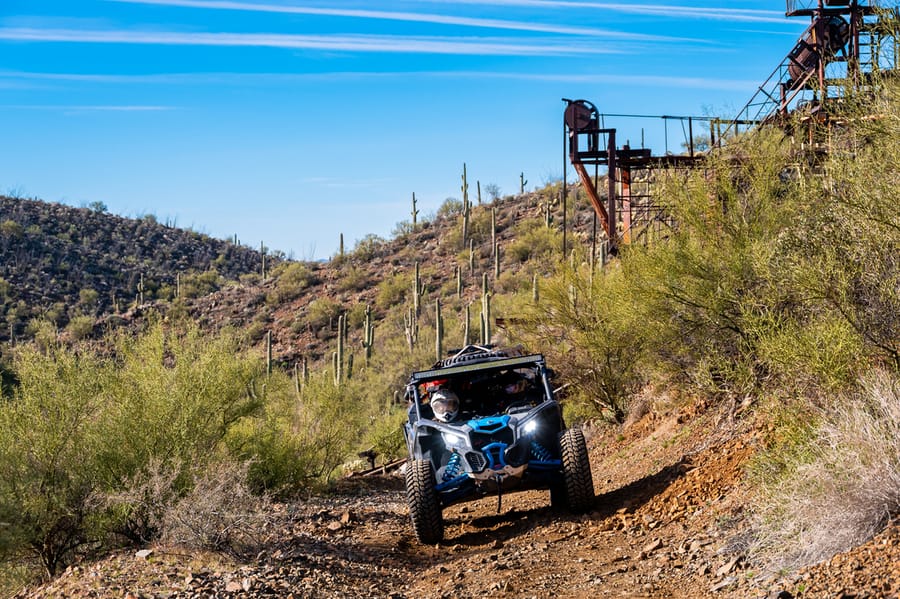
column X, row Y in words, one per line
column 540, row 453
column 452, row 469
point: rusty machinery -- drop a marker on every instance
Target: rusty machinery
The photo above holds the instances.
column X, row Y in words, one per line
column 627, row 211
column 846, row 43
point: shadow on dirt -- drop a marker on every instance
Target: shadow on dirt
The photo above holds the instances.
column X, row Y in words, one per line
column 487, row 529
column 637, row 493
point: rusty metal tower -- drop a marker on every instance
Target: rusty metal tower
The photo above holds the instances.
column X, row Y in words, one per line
column 628, row 211
column 846, row 43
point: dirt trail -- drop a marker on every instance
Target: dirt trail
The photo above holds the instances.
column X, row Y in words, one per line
column 667, row 523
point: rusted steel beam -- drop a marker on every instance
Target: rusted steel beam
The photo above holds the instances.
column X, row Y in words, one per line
column 594, row 197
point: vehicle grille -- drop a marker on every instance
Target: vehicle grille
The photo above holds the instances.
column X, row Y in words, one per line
column 476, row 461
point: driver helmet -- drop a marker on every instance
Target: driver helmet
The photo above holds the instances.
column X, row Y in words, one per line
column 445, row 404
column 515, row 387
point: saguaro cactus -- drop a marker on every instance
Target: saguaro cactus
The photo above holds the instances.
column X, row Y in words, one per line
column 466, row 329
column 368, row 334
column 478, row 184
column 438, row 331
column 414, row 211
column 522, row 183
column 262, row 252
column 268, row 353
column 411, row 328
column 465, row 207
column 338, row 359
column 416, row 290
column 493, row 227
column 485, row 311
column 535, row 294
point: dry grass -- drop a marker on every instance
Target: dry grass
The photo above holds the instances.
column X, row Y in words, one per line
column 844, row 487
column 219, row 514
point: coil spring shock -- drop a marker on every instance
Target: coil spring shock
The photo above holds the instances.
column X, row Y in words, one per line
column 453, row 466
column 540, row 453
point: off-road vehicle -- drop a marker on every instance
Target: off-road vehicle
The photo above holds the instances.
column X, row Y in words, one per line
column 485, row 422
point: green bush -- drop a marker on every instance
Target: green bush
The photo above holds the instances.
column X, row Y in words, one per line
column 82, row 428
column 532, row 241
column 391, row 291
column 199, row 284
column 292, row 279
column 298, row 442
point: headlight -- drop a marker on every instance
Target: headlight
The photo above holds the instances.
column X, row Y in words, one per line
column 451, row 438
column 530, row 426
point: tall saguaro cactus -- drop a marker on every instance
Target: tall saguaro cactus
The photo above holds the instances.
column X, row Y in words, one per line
column 338, row 356
column 414, row 212
column 466, row 329
column 522, row 183
column 493, row 227
column 459, row 285
column 411, row 328
column 496, row 261
column 438, row 331
column 262, row 251
column 268, row 353
column 417, row 290
column 465, row 206
column 368, row 334
column 485, row 311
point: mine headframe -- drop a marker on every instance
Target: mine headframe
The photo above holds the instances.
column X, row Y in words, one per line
column 845, row 44
column 626, row 211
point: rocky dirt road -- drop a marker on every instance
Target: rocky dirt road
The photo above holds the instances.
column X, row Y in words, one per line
column 667, row 522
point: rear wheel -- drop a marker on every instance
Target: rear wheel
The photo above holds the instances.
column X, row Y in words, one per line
column 578, row 485
column 424, row 505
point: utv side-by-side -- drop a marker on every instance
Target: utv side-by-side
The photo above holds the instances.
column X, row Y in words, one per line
column 485, row 422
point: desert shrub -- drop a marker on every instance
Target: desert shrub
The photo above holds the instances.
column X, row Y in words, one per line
column 367, row 248
column 12, row 229
column 83, row 428
column 199, row 284
column 321, row 311
column 297, row 443
column 385, row 435
column 593, row 334
column 837, row 486
column 449, row 208
column 220, row 513
column 50, row 440
column 80, row 327
column 292, row 279
column 533, row 241
column 392, row 290
column 353, row 279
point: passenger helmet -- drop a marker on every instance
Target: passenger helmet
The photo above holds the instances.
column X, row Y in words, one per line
column 445, row 404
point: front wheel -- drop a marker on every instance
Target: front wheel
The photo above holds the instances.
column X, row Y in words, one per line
column 578, row 485
column 424, row 505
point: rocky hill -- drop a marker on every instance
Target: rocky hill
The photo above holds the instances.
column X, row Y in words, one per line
column 58, row 262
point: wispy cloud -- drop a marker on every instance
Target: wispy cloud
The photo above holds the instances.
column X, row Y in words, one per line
column 658, row 10
column 645, row 80
column 341, row 43
column 415, row 17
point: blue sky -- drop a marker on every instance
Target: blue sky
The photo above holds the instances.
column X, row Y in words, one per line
column 292, row 121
